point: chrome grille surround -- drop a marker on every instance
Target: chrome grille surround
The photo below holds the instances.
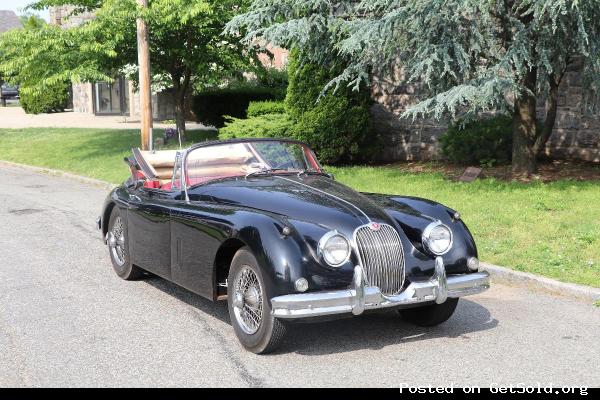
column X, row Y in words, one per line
column 380, row 252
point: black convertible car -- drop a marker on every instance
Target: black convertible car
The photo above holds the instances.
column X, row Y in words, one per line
column 260, row 224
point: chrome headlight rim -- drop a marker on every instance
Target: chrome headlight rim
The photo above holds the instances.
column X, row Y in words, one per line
column 323, row 242
column 427, row 233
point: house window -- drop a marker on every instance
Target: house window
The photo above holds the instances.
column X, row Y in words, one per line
column 111, row 98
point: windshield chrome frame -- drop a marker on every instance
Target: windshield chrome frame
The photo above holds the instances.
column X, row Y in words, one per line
column 186, row 152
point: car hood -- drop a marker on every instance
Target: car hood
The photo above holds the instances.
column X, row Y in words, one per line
column 308, row 198
column 315, row 204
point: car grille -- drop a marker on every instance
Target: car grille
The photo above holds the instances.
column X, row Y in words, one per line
column 382, row 256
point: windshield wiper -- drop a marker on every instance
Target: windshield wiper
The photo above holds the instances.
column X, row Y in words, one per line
column 311, row 171
column 265, row 171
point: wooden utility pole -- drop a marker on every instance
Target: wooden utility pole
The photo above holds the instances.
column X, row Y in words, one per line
column 144, row 67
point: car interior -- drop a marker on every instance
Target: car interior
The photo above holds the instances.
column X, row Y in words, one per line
column 156, row 168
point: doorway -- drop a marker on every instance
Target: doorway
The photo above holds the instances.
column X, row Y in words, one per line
column 111, row 98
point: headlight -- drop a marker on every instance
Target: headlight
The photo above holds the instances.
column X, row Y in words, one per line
column 334, row 248
column 437, row 238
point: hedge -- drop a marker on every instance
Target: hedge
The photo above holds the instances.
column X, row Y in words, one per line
column 276, row 125
column 53, row 99
column 211, row 106
column 256, row 108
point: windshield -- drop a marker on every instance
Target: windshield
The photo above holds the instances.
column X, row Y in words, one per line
column 248, row 159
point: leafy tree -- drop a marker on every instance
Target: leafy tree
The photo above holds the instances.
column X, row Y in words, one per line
column 32, row 21
column 187, row 44
column 467, row 55
column 44, row 59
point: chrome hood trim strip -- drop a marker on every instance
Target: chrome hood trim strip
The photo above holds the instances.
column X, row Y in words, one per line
column 327, row 194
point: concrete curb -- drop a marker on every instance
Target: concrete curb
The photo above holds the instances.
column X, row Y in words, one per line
column 63, row 174
column 498, row 274
column 542, row 284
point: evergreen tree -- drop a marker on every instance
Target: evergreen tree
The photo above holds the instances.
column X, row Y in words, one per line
column 467, row 55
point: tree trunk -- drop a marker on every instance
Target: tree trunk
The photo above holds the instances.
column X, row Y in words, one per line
column 524, row 157
column 551, row 106
column 180, row 91
column 180, row 116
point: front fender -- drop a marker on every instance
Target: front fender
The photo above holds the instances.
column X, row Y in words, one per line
column 117, row 196
column 285, row 258
column 413, row 214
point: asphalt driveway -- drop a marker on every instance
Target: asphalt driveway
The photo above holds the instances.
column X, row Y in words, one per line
column 15, row 118
column 67, row 319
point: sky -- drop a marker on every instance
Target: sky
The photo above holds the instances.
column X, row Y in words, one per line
column 18, row 5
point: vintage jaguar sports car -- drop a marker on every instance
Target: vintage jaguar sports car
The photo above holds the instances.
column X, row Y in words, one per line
column 259, row 223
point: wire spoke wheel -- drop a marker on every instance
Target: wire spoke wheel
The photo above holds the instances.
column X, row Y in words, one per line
column 248, row 300
column 116, row 241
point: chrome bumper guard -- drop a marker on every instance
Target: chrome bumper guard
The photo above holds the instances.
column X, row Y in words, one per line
column 360, row 297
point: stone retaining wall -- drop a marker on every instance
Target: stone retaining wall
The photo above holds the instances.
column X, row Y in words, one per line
column 576, row 133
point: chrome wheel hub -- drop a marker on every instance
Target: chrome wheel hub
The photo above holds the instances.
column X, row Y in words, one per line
column 116, row 241
column 248, row 300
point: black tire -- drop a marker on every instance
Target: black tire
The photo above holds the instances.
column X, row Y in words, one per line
column 123, row 268
column 430, row 315
column 271, row 331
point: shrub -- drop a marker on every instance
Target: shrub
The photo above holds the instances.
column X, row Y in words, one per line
column 53, row 99
column 211, row 105
column 256, row 108
column 485, row 142
column 337, row 125
column 265, row 125
column 274, row 78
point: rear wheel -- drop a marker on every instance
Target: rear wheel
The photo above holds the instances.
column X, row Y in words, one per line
column 430, row 315
column 249, row 308
column 118, row 247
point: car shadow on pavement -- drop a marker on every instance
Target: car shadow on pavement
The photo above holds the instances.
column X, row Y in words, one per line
column 214, row 309
column 372, row 331
column 375, row 331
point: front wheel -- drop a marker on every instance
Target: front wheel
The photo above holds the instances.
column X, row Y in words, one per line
column 118, row 246
column 430, row 315
column 248, row 302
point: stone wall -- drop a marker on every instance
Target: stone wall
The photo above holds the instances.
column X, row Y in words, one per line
column 576, row 133
column 162, row 104
column 63, row 16
column 82, row 98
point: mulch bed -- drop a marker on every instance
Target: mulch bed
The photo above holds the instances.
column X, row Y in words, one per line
column 548, row 171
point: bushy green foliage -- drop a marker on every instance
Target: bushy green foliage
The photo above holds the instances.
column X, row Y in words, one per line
column 273, row 78
column 487, row 142
column 53, row 99
column 212, row 105
column 337, row 124
column 470, row 56
column 277, row 125
column 257, row 108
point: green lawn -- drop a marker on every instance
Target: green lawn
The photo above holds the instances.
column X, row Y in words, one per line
column 549, row 229
column 91, row 152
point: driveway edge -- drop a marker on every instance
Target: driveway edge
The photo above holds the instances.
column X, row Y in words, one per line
column 63, row 174
column 540, row 283
column 498, row 274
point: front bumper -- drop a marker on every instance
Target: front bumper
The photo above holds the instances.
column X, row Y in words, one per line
column 361, row 297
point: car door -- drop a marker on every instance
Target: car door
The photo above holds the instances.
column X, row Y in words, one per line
column 197, row 231
column 149, row 229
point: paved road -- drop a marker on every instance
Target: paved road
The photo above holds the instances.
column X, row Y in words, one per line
column 66, row 319
column 15, row 118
